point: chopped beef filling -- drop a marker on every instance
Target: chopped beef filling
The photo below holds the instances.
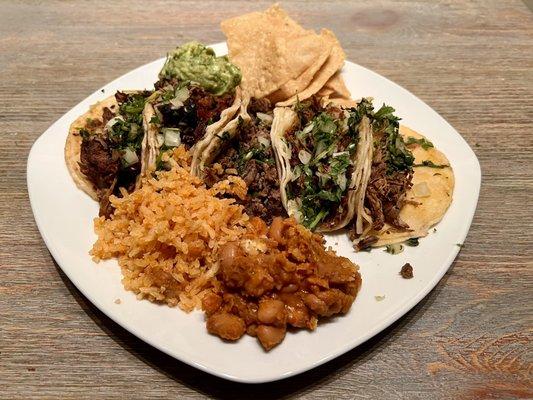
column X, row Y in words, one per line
column 249, row 155
column 101, row 152
column 99, row 162
column 282, row 277
column 385, row 193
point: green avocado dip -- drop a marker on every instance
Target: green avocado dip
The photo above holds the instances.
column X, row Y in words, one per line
column 198, row 64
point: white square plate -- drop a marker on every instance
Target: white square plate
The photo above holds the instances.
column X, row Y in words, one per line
column 65, row 215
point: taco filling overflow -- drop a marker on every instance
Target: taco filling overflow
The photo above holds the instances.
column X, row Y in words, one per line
column 215, row 186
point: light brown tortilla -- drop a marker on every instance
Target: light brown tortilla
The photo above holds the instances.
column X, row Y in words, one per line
column 73, row 144
column 431, row 209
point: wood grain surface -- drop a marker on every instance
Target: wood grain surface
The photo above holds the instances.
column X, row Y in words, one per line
column 470, row 338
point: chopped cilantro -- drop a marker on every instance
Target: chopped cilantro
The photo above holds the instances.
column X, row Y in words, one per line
column 426, row 144
column 430, row 164
column 413, row 242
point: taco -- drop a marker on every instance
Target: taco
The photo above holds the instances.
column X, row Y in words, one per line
column 105, row 147
column 243, row 149
column 195, row 96
column 322, row 153
column 410, row 185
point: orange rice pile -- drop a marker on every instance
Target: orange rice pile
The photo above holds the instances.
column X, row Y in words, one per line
column 166, row 235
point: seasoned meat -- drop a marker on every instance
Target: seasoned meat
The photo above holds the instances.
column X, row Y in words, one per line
column 199, row 110
column 259, row 105
column 385, row 194
column 284, row 279
column 407, row 271
column 98, row 162
column 250, row 156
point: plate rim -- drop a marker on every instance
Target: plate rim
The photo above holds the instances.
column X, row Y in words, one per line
column 347, row 346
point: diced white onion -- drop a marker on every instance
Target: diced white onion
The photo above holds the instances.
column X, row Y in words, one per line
column 180, row 97
column 265, row 118
column 172, row 137
column 160, row 140
column 309, row 128
column 304, row 156
column 112, row 122
column 182, row 94
column 130, row 157
column 340, row 153
column 264, row 141
column 341, row 181
column 421, row 190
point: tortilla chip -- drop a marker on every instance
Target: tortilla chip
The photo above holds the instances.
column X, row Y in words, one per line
column 331, row 66
column 73, row 144
column 271, row 49
column 335, row 88
column 431, row 209
column 294, row 86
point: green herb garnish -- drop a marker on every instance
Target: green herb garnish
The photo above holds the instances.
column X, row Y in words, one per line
column 413, row 242
column 426, row 144
column 430, row 164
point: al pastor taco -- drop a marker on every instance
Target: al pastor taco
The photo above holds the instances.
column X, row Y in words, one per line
column 105, row 147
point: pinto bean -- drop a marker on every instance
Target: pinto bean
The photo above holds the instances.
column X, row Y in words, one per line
column 272, row 312
column 276, row 230
column 270, row 336
column 227, row 254
column 225, row 325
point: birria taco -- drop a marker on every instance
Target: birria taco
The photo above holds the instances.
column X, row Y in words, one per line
column 322, row 153
column 410, row 185
column 195, row 96
column 105, row 147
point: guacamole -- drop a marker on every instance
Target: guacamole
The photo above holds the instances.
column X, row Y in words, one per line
column 198, row 64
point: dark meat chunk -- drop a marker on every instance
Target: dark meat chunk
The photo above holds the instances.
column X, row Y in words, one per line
column 259, row 105
column 99, row 162
column 107, row 115
column 407, row 271
column 385, row 193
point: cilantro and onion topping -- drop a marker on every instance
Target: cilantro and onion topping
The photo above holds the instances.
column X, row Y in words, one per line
column 322, row 150
column 125, row 132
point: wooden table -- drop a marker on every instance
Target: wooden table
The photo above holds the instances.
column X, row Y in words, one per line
column 469, row 338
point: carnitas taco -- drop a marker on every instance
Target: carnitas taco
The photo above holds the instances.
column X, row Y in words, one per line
column 195, row 96
column 323, row 157
column 410, row 185
column 243, row 149
column 105, row 147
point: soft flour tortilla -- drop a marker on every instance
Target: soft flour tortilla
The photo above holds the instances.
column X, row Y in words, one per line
column 431, row 209
column 284, row 119
column 74, row 139
column 278, row 57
